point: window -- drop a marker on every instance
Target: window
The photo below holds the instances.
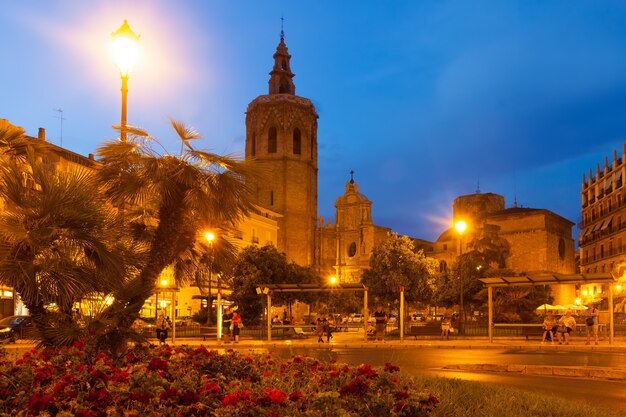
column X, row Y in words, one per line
column 297, row 142
column 561, row 248
column 443, row 267
column 271, row 198
column 272, row 140
column 253, row 145
column 445, row 246
column 352, row 249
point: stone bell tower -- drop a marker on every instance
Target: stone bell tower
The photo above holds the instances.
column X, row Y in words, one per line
column 281, row 139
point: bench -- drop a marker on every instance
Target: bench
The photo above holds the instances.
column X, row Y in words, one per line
column 425, row 330
column 210, row 332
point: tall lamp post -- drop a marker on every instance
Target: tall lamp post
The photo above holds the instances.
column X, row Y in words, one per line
column 210, row 238
column 125, row 46
column 460, row 227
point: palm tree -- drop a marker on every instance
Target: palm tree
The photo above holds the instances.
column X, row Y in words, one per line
column 179, row 195
column 56, row 238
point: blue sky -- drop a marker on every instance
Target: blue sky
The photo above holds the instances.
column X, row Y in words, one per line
column 423, row 99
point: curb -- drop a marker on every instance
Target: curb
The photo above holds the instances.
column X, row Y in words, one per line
column 561, row 371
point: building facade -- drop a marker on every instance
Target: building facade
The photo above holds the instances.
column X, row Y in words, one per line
column 344, row 249
column 603, row 233
column 535, row 240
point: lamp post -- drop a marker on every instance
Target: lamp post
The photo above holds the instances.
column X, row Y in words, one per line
column 125, row 46
column 210, row 238
column 460, row 227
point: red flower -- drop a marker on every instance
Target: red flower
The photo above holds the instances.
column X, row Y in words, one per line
column 295, row 396
column 143, row 398
column 210, row 387
column 391, row 368
column 333, row 374
column 189, row 397
column 170, row 393
column 275, row 396
column 367, row 371
column 401, row 395
column 40, row 401
column 234, row 398
column 356, row 387
column 157, row 364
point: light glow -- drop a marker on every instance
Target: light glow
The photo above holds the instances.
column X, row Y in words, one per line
column 125, row 48
column 332, row 280
column 460, row 226
column 209, row 236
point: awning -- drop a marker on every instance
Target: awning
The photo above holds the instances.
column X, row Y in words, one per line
column 607, row 222
column 618, row 175
column 607, row 184
column 548, row 279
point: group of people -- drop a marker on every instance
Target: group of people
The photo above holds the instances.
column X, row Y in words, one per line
column 562, row 328
column 324, row 327
column 231, row 325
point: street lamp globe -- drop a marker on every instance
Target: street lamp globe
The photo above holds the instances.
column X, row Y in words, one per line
column 163, row 283
column 332, row 280
column 460, row 226
column 125, row 47
column 209, row 236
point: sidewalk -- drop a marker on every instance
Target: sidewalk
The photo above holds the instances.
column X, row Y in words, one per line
column 354, row 340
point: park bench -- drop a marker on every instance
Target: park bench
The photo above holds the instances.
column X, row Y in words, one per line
column 427, row 329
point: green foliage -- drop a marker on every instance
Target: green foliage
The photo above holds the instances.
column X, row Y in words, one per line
column 395, row 264
column 265, row 265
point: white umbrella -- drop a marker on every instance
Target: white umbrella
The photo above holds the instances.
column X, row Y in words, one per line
column 546, row 307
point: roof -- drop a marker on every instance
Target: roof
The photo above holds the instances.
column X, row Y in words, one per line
column 520, row 211
column 313, row 287
column 547, row 279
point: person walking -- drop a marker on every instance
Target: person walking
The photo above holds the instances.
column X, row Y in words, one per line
column 162, row 326
column 567, row 324
column 381, row 322
column 328, row 330
column 236, row 324
column 446, row 323
column 320, row 326
column 591, row 323
column 227, row 319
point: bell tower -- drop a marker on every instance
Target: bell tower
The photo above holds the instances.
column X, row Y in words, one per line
column 281, row 139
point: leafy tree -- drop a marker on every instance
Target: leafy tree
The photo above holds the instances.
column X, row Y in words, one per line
column 494, row 248
column 395, row 264
column 265, row 265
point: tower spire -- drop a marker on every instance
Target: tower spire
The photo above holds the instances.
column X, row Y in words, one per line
column 282, row 31
column 281, row 76
column 351, row 176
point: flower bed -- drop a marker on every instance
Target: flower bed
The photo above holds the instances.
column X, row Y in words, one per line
column 186, row 381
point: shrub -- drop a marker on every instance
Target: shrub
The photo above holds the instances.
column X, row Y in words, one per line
column 187, row 381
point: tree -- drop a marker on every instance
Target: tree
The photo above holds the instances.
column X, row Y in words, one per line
column 58, row 239
column 395, row 264
column 180, row 196
column 265, row 265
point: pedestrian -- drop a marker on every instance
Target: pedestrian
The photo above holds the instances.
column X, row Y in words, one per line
column 162, row 326
column 227, row 319
column 381, row 322
column 549, row 325
column 285, row 321
column 446, row 324
column 567, row 324
column 236, row 324
column 320, row 326
column 591, row 322
column 328, row 330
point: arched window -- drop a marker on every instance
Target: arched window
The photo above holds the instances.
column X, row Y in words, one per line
column 272, row 140
column 253, row 145
column 443, row 266
column 297, row 141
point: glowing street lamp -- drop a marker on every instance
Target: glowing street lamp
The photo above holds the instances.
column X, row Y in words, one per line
column 125, row 46
column 460, row 227
column 332, row 280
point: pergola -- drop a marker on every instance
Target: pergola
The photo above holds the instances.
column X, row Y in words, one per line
column 268, row 289
column 549, row 279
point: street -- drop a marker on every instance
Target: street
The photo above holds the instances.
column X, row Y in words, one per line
column 605, row 393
